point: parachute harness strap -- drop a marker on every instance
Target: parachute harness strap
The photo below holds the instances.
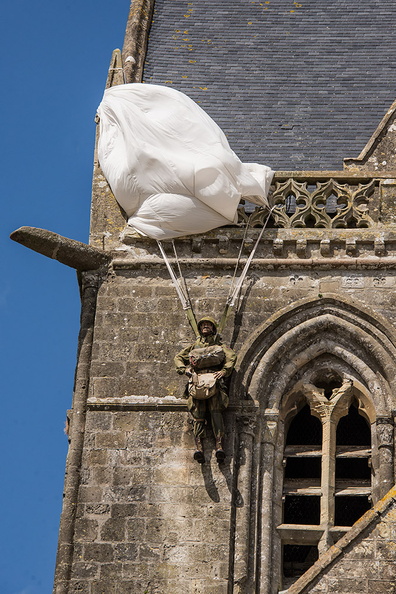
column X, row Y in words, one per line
column 236, row 287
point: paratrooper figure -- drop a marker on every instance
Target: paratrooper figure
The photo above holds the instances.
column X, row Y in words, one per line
column 206, row 362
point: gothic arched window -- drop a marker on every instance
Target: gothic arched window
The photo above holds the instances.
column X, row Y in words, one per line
column 327, row 471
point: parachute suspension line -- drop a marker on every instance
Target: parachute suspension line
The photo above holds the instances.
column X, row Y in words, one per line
column 181, row 289
column 235, row 290
column 227, row 307
column 181, row 277
column 239, row 256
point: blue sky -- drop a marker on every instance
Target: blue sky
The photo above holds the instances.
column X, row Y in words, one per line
column 54, row 60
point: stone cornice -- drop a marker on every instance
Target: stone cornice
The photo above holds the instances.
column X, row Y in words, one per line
column 364, row 263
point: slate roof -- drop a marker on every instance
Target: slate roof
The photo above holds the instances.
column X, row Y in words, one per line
column 295, row 85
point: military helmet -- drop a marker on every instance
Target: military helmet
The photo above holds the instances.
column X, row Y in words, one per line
column 207, row 319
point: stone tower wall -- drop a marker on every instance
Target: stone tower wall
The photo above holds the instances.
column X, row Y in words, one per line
column 149, row 518
column 140, row 515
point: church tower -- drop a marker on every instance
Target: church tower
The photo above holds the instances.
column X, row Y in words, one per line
column 304, row 501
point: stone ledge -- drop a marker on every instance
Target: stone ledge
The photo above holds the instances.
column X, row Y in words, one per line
column 352, row 175
column 261, row 263
column 138, row 402
column 165, row 403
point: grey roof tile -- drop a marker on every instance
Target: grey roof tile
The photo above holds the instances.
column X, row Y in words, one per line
column 292, row 84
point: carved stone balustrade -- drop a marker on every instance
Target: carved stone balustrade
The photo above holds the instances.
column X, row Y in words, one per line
column 312, row 200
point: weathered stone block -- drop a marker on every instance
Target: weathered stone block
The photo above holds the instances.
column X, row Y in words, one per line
column 386, row 570
column 203, row 586
column 137, row 571
column 111, row 440
column 79, row 586
column 109, row 572
column 149, row 553
column 96, row 457
column 98, row 552
column 86, row 530
column 101, row 475
column 160, row 529
column 98, row 421
column 132, row 586
column 123, row 421
column 169, row 494
column 126, row 552
column 85, row 571
column 136, row 493
column 97, row 508
column 113, row 530
column 127, row 457
column 187, row 553
column 386, row 550
column 90, row 494
column 122, row 476
column 380, row 587
column 107, row 369
column 103, row 387
column 104, row 587
column 363, row 550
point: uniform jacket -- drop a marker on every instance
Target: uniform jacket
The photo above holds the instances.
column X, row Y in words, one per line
column 182, row 358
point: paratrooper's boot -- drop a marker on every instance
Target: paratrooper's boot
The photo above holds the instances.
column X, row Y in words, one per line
column 198, row 454
column 220, row 453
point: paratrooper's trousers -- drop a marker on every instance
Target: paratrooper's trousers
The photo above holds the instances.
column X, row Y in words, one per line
column 215, row 405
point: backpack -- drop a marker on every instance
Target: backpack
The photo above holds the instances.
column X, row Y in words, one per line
column 202, row 385
column 206, row 357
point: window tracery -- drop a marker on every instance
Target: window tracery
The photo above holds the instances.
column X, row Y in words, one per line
column 327, row 204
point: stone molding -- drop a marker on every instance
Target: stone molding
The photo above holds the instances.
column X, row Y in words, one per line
column 165, row 403
column 136, row 37
column 373, row 262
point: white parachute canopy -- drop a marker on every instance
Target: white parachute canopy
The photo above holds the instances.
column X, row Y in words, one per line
column 169, row 165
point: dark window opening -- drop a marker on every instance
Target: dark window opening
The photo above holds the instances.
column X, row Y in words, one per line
column 310, row 221
column 271, row 223
column 297, row 559
column 305, row 429
column 290, row 204
column 349, row 509
column 301, row 509
column 353, row 468
column 328, row 382
column 303, row 468
column 353, row 429
column 331, row 205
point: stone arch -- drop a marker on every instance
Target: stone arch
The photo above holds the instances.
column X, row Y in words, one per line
column 279, row 349
column 310, row 335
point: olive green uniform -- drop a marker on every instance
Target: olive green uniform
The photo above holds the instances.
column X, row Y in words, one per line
column 217, row 403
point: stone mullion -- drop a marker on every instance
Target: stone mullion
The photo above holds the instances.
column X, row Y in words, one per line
column 327, row 506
